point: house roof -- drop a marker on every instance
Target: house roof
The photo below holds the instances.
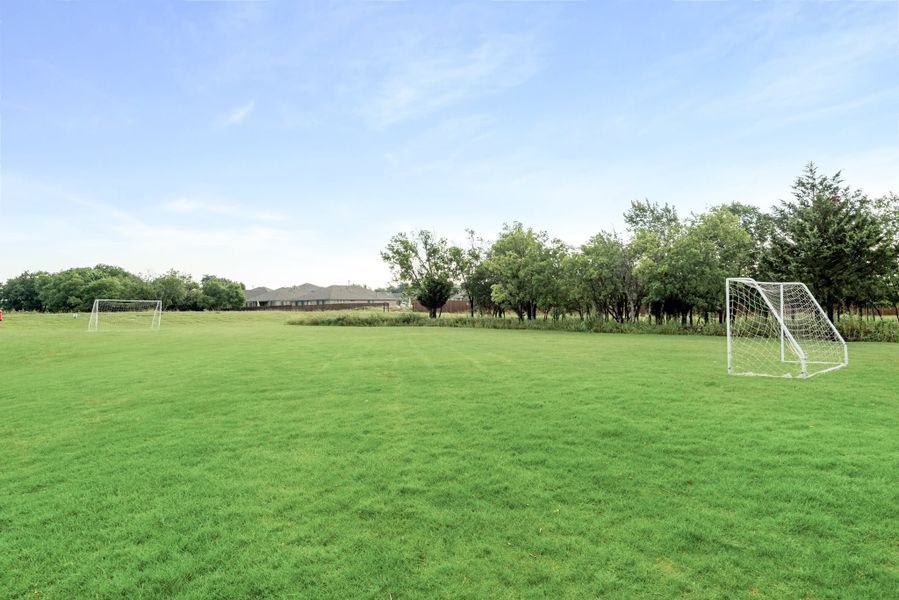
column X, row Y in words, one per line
column 341, row 292
column 290, row 293
column 309, row 292
column 255, row 292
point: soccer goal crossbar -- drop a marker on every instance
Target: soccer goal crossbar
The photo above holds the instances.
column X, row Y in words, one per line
column 112, row 313
column 778, row 329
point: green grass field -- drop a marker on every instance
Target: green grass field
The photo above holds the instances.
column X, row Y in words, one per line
column 233, row 456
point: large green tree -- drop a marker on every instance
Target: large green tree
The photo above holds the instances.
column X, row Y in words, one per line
column 422, row 261
column 552, row 288
column 171, row 288
column 759, row 225
column 715, row 246
column 67, row 290
column 654, row 231
column 105, row 287
column 887, row 208
column 465, row 262
column 480, row 286
column 608, row 277
column 519, row 262
column 219, row 293
column 23, row 292
column 829, row 237
column 77, row 288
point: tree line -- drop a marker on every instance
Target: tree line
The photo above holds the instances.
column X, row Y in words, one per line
column 841, row 243
column 76, row 289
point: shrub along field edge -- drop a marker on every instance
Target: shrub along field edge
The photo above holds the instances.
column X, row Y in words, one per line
column 852, row 329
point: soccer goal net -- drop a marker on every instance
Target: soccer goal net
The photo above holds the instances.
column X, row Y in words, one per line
column 778, row 329
column 125, row 314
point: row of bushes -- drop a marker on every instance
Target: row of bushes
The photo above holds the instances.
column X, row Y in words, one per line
column 854, row 330
column 865, row 330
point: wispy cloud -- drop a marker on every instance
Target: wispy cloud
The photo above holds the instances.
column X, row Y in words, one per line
column 201, row 238
column 446, row 146
column 421, row 84
column 795, row 74
column 67, row 228
column 814, row 69
column 201, row 207
column 237, row 115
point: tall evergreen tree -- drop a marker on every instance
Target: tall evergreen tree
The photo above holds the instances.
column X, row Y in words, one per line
column 828, row 237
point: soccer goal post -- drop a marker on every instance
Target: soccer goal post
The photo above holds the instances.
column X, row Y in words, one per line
column 778, row 329
column 125, row 314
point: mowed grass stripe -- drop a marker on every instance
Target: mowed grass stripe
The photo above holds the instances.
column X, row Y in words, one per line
column 234, row 456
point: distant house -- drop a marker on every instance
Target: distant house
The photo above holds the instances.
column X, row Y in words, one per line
column 310, row 294
column 252, row 295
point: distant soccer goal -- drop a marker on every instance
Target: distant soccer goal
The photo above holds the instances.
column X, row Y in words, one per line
column 778, row 329
column 125, row 314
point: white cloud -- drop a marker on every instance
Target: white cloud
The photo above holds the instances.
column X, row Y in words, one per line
column 186, row 237
column 812, row 69
column 63, row 228
column 191, row 206
column 237, row 115
column 417, row 86
column 447, row 146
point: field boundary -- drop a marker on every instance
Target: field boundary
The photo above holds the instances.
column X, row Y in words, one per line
column 855, row 330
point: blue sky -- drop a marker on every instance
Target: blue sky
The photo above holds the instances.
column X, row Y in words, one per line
column 283, row 142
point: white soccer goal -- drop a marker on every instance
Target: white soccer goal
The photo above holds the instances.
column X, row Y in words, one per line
column 778, row 329
column 125, row 314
